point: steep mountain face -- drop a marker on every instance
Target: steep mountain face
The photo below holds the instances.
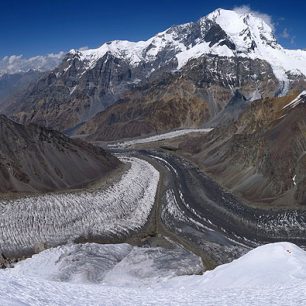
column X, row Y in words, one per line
column 185, row 99
column 261, row 156
column 160, row 107
column 223, row 43
column 36, row 159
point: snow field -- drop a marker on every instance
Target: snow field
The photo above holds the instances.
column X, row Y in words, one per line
column 273, row 274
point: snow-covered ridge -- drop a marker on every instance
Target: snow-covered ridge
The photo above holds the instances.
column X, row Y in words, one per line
column 272, row 274
column 249, row 35
column 57, row 218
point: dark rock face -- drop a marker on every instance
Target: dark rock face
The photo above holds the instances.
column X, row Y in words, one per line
column 161, row 107
column 189, row 98
column 260, row 156
column 216, row 35
column 36, row 159
column 231, row 112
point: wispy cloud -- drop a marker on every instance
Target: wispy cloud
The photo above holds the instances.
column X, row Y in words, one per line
column 286, row 35
column 245, row 9
column 19, row 63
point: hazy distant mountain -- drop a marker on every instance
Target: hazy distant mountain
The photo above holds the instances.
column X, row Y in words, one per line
column 18, row 72
column 18, row 63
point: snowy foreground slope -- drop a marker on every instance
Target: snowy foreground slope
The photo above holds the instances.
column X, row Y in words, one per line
column 56, row 218
column 91, row 274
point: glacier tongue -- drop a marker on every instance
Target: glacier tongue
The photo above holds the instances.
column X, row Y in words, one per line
column 56, row 218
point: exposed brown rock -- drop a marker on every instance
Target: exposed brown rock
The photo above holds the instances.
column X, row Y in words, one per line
column 186, row 99
column 154, row 110
column 36, row 159
column 258, row 156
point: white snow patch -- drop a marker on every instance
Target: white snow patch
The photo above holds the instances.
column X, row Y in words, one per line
column 268, row 265
column 273, row 274
column 301, row 98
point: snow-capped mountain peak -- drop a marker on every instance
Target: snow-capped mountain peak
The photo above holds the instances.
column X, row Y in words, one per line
column 18, row 63
column 246, row 30
column 228, row 33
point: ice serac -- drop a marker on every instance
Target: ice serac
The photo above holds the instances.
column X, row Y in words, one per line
column 272, row 274
column 229, row 50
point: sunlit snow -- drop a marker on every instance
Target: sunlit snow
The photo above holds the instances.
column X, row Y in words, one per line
column 253, row 38
column 273, row 274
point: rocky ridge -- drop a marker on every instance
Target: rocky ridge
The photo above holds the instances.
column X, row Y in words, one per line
column 34, row 159
column 223, row 43
column 261, row 155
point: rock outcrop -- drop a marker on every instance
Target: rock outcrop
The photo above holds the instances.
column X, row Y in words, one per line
column 260, row 156
column 215, row 57
column 37, row 159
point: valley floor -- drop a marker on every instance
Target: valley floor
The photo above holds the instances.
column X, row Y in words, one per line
column 195, row 226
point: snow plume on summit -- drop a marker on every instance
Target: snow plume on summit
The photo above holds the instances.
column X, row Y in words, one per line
column 245, row 9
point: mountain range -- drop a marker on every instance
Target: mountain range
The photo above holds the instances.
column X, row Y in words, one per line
column 186, row 74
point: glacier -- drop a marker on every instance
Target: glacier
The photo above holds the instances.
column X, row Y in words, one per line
column 57, row 218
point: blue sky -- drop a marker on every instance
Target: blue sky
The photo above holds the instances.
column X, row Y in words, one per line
column 40, row 27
